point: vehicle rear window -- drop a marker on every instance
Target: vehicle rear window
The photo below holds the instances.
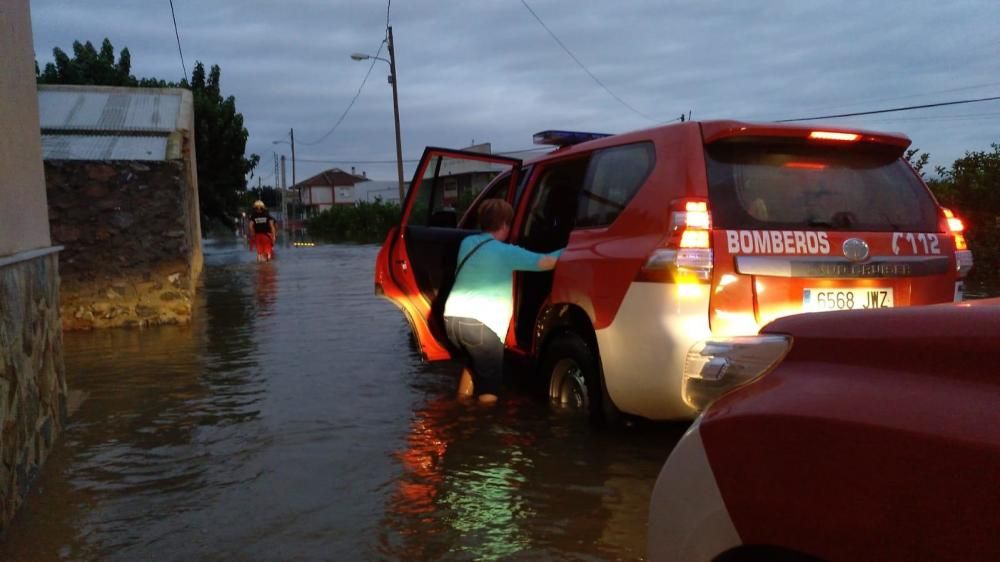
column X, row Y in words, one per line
column 801, row 187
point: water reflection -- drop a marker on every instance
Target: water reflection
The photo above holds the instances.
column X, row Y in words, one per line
column 294, row 420
column 517, row 481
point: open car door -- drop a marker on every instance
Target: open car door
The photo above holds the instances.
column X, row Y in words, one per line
column 419, row 255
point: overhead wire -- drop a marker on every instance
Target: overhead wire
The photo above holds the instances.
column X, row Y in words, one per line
column 351, row 104
column 361, row 87
column 922, row 94
column 584, row 67
column 889, row 110
column 413, row 160
column 178, row 35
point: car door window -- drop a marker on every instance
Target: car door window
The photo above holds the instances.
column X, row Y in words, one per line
column 614, row 178
column 450, row 185
column 552, row 208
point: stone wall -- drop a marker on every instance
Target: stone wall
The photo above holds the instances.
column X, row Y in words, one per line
column 132, row 248
column 32, row 377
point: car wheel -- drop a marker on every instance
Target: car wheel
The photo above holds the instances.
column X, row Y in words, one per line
column 576, row 384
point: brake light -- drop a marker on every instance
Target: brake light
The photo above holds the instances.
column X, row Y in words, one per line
column 963, row 257
column 805, row 165
column 954, row 223
column 834, row 136
column 686, row 256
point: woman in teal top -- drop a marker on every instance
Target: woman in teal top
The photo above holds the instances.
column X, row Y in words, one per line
column 481, row 302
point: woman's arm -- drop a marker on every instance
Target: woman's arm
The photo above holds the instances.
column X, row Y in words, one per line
column 520, row 259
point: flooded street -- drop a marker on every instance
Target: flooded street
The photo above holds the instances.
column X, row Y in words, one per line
column 294, row 420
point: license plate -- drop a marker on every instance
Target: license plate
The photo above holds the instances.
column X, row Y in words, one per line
column 846, row 299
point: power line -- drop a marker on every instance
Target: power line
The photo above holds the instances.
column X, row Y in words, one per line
column 964, row 117
column 319, row 161
column 350, row 105
column 412, row 160
column 890, row 110
column 585, row 69
column 178, row 35
column 911, row 96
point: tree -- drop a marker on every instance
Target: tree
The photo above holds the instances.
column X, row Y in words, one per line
column 971, row 188
column 917, row 162
column 220, row 137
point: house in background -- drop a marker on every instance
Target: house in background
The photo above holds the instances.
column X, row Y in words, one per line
column 328, row 188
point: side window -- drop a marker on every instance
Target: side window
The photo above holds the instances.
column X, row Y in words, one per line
column 552, row 208
column 615, row 176
column 497, row 189
column 448, row 188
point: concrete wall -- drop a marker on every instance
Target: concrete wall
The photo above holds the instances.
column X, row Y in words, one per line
column 21, row 182
column 132, row 247
column 32, row 377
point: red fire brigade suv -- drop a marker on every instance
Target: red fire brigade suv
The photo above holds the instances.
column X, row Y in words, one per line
column 673, row 235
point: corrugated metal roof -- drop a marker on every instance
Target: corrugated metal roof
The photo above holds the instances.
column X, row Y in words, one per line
column 105, row 147
column 109, row 109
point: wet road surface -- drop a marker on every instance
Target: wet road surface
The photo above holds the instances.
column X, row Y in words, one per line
column 294, row 420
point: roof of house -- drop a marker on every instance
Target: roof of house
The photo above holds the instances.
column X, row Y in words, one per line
column 111, row 123
column 331, row 177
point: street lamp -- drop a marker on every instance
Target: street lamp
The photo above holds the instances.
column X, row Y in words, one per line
column 395, row 105
column 291, row 134
column 284, row 210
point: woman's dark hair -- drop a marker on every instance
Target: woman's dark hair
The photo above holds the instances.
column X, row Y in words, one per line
column 494, row 214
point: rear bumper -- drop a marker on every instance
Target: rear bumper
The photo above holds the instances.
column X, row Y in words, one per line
column 688, row 519
column 643, row 349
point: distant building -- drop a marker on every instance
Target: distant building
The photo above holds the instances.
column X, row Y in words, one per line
column 122, row 187
column 378, row 190
column 329, row 188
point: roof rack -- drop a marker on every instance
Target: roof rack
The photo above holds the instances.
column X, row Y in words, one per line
column 565, row 138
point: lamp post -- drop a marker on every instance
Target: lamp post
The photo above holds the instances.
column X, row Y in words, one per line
column 395, row 105
column 291, row 136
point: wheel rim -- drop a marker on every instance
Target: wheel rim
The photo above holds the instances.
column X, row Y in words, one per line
column 570, row 388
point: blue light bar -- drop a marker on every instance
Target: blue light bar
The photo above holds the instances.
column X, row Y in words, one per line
column 565, row 138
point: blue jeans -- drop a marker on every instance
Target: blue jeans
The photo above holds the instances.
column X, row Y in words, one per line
column 483, row 352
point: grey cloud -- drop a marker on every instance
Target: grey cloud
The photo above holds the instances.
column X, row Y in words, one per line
column 488, row 71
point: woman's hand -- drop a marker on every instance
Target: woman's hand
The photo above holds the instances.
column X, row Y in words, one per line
column 546, row 263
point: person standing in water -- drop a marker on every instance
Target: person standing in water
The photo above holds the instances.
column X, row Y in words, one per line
column 479, row 307
column 265, row 231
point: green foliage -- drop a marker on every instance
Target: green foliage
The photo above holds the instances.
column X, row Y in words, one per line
column 220, row 137
column 366, row 223
column 918, row 162
column 971, row 188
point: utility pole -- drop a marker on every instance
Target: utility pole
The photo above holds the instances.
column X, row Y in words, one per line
column 284, row 210
column 291, row 133
column 395, row 108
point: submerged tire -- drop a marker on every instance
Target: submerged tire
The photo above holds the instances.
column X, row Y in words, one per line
column 576, row 383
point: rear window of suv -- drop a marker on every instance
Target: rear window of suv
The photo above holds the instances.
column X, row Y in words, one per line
column 807, row 187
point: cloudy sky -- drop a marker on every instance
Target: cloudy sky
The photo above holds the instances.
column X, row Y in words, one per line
column 488, row 71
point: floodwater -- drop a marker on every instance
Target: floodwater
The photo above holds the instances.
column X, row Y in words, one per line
column 294, row 420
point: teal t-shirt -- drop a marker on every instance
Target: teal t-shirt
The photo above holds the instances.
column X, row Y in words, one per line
column 485, row 285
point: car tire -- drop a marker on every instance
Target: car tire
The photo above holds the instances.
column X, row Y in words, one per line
column 576, row 383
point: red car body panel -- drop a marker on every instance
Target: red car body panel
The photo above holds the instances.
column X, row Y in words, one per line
column 877, row 437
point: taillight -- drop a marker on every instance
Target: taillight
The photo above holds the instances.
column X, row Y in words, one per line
column 687, row 253
column 716, row 366
column 963, row 257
